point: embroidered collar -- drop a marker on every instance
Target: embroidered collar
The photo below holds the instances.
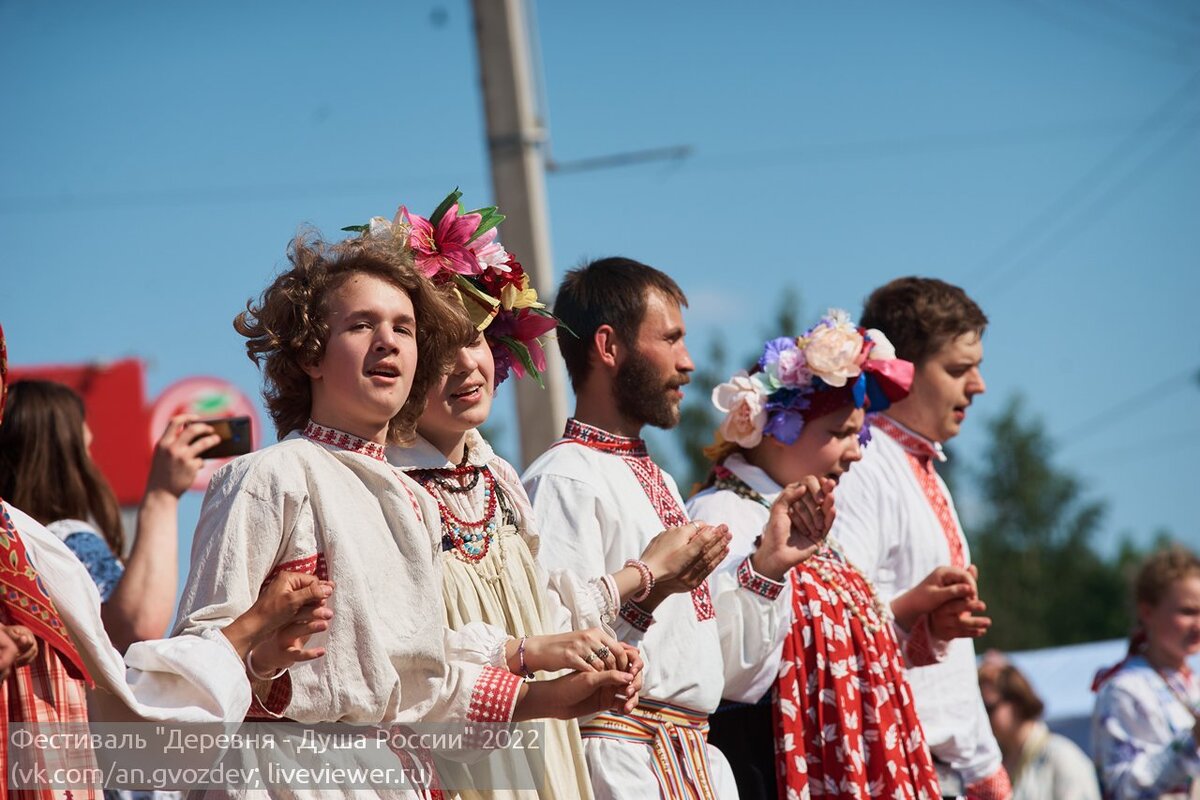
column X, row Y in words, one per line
column 343, row 440
column 599, row 439
column 423, row 455
column 752, row 476
column 907, row 438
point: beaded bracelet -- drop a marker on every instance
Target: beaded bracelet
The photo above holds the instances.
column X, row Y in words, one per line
column 255, row 673
column 647, row 583
column 525, row 673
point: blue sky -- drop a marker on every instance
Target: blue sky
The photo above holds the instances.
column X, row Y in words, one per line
column 1045, row 155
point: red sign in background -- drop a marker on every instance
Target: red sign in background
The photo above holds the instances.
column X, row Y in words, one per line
column 114, row 395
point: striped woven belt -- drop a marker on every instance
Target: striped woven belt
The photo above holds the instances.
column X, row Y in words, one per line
column 677, row 735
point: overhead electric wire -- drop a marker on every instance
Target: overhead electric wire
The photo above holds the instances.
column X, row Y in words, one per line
column 1063, row 205
column 1157, row 392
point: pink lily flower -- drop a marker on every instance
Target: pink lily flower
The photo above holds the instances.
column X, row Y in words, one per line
column 490, row 253
column 444, row 248
column 526, row 329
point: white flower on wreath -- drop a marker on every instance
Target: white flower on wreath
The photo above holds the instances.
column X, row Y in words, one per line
column 833, row 347
column 744, row 402
column 883, row 349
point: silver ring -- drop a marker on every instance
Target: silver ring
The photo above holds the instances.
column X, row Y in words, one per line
column 590, row 657
column 603, row 652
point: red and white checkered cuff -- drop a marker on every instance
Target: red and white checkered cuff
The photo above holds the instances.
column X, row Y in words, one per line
column 494, row 696
column 994, row 787
column 637, row 616
column 749, row 579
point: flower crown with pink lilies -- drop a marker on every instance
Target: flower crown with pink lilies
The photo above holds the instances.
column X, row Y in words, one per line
column 459, row 249
column 796, row 380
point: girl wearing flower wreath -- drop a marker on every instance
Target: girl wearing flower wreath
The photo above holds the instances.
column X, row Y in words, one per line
column 490, row 572
column 844, row 723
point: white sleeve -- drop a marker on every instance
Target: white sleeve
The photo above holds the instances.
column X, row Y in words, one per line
column 1133, row 745
column 753, row 613
column 569, row 519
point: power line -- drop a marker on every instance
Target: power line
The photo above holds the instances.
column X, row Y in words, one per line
column 1072, row 23
column 1042, row 224
column 1109, row 416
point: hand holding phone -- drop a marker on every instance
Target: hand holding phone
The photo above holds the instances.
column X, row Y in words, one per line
column 235, row 437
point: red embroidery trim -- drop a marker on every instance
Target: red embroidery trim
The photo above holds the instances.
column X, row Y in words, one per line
column 343, row 441
column 493, row 696
column 920, row 457
column 637, row 616
column 749, row 579
column 994, row 787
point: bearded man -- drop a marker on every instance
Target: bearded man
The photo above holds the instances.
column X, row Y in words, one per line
column 598, row 498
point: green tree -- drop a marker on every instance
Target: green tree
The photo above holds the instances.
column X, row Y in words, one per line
column 1043, row 581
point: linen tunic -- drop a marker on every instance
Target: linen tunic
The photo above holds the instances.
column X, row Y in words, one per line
column 508, row 588
column 1142, row 734
column 187, row 679
column 327, row 503
column 845, row 724
column 593, row 514
column 888, row 528
column 1052, row 767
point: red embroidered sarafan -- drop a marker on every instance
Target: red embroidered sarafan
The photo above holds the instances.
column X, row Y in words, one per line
column 845, row 722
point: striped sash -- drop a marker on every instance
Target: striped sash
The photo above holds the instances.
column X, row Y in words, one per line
column 677, row 735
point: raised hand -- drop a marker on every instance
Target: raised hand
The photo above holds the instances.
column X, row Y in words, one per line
column 713, row 546
column 800, row 520
column 176, row 458
column 588, row 650
column 289, row 609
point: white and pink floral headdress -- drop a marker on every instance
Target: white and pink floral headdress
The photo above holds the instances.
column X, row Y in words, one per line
column 459, row 249
column 835, row 363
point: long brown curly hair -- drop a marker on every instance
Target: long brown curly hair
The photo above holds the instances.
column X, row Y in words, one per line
column 286, row 330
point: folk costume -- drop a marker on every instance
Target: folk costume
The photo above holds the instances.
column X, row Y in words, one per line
column 598, row 498
column 487, row 545
column 845, row 725
column 490, row 573
column 44, row 587
column 326, row 502
column 896, row 522
column 1142, row 732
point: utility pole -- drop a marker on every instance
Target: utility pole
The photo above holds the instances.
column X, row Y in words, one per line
column 515, row 136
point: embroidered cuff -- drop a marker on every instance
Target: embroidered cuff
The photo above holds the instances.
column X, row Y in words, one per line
column 637, row 616
column 994, row 787
column 747, row 578
column 494, row 696
column 496, row 654
column 269, row 699
column 920, row 647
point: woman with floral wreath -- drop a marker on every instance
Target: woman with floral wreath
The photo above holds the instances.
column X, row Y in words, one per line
column 844, row 723
column 490, row 571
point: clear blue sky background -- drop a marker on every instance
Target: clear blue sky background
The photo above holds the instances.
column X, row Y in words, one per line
column 156, row 158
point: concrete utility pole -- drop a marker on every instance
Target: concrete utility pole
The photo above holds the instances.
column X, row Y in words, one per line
column 515, row 136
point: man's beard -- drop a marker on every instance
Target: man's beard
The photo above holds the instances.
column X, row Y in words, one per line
column 643, row 396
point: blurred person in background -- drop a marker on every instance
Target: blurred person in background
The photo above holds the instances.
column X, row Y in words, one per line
column 1146, row 724
column 46, row 469
column 1042, row 765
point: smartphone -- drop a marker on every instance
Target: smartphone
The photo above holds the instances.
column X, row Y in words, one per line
column 235, row 437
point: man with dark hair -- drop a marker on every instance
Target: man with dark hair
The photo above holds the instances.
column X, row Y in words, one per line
column 597, row 497
column 896, row 520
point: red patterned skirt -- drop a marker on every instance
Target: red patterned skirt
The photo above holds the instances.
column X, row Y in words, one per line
column 845, row 724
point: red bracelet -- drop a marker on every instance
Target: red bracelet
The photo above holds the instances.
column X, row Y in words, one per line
column 647, row 583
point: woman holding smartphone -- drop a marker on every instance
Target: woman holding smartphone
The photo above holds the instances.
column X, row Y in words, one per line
column 47, row 470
